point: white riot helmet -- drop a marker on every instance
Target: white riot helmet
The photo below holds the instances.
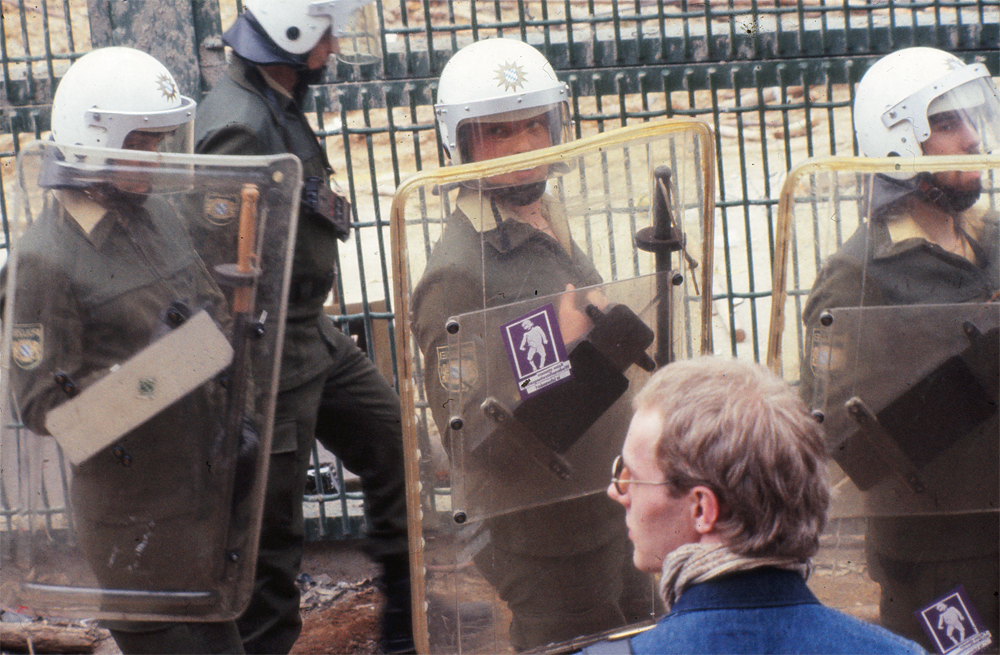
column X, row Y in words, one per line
column 899, row 94
column 498, row 80
column 111, row 92
column 296, row 26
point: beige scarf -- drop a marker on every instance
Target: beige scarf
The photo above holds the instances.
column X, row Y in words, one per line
column 694, row 563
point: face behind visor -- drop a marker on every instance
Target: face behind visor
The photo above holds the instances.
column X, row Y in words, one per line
column 501, row 97
column 514, row 133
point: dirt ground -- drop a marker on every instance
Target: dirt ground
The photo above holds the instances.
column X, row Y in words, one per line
column 340, row 612
column 340, row 623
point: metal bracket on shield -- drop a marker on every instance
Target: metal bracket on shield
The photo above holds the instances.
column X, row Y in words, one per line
column 538, row 451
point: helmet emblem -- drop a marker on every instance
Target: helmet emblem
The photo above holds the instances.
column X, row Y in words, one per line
column 511, row 76
column 954, row 63
column 166, row 86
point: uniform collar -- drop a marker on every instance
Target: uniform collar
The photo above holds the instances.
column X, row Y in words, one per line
column 255, row 79
column 279, row 104
column 902, row 227
column 273, row 84
column 82, row 210
column 500, row 226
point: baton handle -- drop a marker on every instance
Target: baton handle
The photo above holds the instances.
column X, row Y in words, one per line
column 245, row 247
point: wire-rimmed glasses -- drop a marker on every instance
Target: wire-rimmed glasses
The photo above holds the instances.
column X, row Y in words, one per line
column 619, row 477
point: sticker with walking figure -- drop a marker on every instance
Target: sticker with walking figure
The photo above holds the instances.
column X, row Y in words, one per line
column 953, row 624
column 536, row 350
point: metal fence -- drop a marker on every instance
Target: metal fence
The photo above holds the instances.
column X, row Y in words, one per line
column 774, row 79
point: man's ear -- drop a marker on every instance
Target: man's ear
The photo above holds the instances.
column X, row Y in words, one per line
column 704, row 509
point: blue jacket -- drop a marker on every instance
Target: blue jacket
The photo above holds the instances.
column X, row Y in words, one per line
column 765, row 610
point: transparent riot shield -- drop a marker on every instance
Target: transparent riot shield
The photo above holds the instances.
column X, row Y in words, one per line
column 893, row 336
column 533, row 321
column 143, row 316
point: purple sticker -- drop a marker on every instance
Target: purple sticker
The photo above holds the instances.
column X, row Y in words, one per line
column 953, row 624
column 536, row 350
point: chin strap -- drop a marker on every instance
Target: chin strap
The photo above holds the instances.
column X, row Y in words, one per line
column 948, row 199
column 520, row 195
column 888, row 192
column 112, row 197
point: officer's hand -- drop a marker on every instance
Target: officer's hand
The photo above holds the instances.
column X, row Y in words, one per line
column 573, row 320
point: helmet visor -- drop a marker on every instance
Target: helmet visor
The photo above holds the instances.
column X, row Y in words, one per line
column 354, row 26
column 137, row 170
column 178, row 139
column 966, row 119
column 114, row 126
column 513, row 133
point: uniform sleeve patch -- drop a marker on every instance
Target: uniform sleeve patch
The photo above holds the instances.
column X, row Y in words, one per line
column 457, row 366
column 28, row 345
column 221, row 209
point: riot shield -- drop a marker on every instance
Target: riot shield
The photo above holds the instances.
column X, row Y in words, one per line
column 893, row 335
column 533, row 321
column 143, row 319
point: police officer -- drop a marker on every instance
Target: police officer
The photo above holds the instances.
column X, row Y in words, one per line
column 563, row 568
column 104, row 272
column 329, row 390
column 927, row 241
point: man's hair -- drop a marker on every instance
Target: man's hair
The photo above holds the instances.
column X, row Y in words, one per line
column 741, row 431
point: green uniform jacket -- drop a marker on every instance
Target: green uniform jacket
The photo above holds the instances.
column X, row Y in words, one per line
column 908, row 272
column 872, row 270
column 467, row 271
column 256, row 120
column 328, row 389
column 95, row 301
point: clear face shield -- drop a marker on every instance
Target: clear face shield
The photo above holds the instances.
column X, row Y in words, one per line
column 132, row 165
column 512, row 133
column 355, row 27
column 130, row 171
column 964, row 121
column 113, row 127
column 177, row 139
column 143, row 175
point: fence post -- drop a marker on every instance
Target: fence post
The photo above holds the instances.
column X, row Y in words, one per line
column 185, row 36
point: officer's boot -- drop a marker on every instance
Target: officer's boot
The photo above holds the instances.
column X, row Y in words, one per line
column 397, row 614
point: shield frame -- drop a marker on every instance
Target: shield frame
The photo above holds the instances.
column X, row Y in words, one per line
column 850, row 505
column 443, row 177
column 273, row 196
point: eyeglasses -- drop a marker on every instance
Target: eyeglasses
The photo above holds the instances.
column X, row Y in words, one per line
column 619, row 477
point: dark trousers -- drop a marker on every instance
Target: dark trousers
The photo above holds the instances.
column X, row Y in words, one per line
column 355, row 414
column 554, row 599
